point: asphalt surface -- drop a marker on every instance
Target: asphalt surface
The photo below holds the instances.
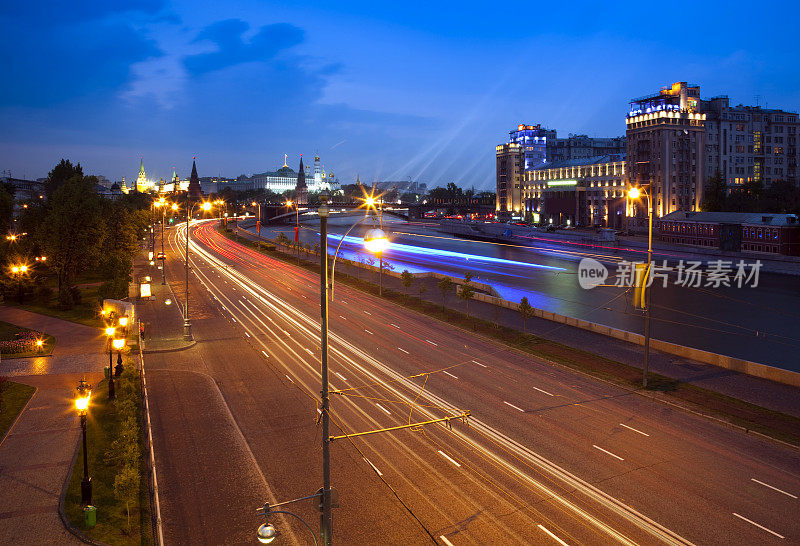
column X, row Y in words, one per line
column 546, row 456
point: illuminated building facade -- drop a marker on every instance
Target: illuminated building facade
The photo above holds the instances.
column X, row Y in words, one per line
column 666, row 149
column 510, row 161
column 578, row 192
column 285, row 179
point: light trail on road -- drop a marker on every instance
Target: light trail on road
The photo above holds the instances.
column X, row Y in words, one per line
column 499, row 451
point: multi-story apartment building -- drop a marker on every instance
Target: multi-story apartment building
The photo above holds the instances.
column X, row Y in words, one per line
column 579, row 192
column 666, row 148
column 510, row 161
column 750, row 143
column 582, row 147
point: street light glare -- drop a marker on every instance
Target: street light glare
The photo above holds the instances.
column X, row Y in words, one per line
column 288, row 203
column 110, row 331
column 82, row 402
column 375, row 240
column 123, row 321
column 174, row 206
column 634, row 193
column 118, row 343
column 206, row 206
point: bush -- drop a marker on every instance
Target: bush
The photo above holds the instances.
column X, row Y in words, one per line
column 75, row 295
column 44, row 294
column 115, row 288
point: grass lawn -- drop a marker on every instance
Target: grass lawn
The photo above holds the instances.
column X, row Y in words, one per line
column 88, row 312
column 8, row 331
column 13, row 397
column 103, row 429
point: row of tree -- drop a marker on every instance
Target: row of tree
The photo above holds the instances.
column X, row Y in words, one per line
column 80, row 233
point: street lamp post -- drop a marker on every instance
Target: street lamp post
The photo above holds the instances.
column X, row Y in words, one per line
column 82, row 405
column 327, row 520
column 258, row 220
column 18, row 271
column 118, row 344
column 110, row 331
column 634, row 193
column 187, row 325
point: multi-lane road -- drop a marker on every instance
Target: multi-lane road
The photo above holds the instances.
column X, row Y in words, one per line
column 547, row 456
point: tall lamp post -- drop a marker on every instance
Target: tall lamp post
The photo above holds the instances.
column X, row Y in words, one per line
column 258, row 220
column 290, row 204
column 18, row 271
column 110, row 331
column 634, row 193
column 266, row 532
column 187, row 325
column 118, row 344
column 82, row 405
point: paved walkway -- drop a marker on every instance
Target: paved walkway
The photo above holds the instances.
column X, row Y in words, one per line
column 36, row 453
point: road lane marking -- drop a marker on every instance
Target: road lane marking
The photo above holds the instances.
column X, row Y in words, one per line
column 401, row 349
column 479, row 364
column 639, row 431
column 309, row 351
column 367, row 312
column 554, row 537
column 393, row 324
column 773, row 487
column 233, row 319
column 444, row 539
column 367, row 331
column 759, row 526
column 513, row 406
column 340, row 376
column 608, row 452
column 446, row 456
column 375, row 468
column 247, row 333
column 289, row 378
column 432, row 343
column 341, row 317
column 540, row 390
column 265, row 354
column 451, row 375
column 384, row 409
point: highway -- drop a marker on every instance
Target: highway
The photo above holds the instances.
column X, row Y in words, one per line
column 751, row 323
column 547, row 456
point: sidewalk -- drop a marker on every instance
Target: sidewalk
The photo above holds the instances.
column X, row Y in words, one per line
column 36, row 455
column 164, row 323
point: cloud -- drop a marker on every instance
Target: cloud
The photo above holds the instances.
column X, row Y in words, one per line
column 55, row 64
column 58, row 11
column 232, row 50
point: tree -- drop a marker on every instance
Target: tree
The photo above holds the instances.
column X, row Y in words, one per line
column 525, row 310
column 445, row 286
column 467, row 291
column 59, row 176
column 71, row 233
column 126, row 488
column 406, row 278
column 715, row 194
column 421, row 288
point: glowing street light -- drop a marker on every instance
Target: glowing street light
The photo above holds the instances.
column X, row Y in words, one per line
column 110, row 331
column 187, row 325
column 82, row 405
column 635, row 193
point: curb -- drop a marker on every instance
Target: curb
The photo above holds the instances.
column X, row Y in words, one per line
column 170, row 349
column 67, row 524
column 8, row 432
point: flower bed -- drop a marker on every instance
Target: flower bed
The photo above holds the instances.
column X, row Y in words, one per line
column 23, row 342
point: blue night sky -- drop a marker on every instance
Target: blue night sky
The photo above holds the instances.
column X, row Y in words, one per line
column 424, row 90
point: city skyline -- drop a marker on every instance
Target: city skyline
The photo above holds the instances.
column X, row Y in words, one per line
column 428, row 99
